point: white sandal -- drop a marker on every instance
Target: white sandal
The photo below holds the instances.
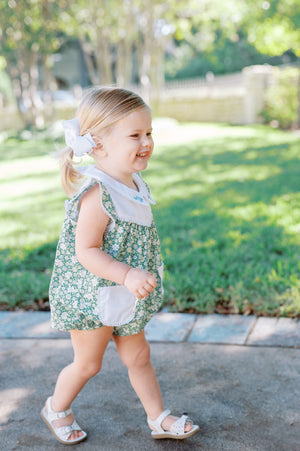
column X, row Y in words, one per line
column 176, row 430
column 61, row 433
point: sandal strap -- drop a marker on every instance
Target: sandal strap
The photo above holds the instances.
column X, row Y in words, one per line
column 156, row 424
column 63, row 414
column 64, row 432
column 179, row 425
column 56, row 415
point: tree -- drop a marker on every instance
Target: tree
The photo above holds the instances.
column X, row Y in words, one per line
column 28, row 37
column 202, row 31
column 273, row 28
column 112, row 33
column 192, row 20
column 94, row 24
column 121, row 39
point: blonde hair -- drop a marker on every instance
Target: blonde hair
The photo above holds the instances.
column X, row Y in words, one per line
column 100, row 109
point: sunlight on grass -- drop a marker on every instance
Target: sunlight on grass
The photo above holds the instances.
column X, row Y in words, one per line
column 194, row 179
column 281, row 212
column 237, row 237
column 240, row 173
column 200, row 244
column 24, row 204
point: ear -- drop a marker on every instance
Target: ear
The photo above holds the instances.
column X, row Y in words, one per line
column 98, row 141
column 99, row 149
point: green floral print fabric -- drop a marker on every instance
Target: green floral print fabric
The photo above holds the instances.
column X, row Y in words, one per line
column 74, row 291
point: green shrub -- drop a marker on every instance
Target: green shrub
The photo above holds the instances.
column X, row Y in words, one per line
column 281, row 101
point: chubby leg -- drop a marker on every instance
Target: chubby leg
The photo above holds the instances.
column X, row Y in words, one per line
column 134, row 351
column 89, row 347
column 135, row 354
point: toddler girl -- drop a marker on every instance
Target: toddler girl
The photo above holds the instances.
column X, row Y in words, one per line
column 107, row 276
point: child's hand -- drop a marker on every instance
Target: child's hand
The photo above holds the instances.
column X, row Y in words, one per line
column 140, row 282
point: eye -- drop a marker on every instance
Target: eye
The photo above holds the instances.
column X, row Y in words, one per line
column 149, row 134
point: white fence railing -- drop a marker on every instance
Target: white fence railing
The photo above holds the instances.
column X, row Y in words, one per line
column 209, row 81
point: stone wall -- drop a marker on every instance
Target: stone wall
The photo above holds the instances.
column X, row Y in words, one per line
column 205, row 109
column 235, row 99
column 11, row 120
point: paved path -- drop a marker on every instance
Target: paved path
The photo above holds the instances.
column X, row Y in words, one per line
column 238, row 377
column 175, row 327
column 245, row 398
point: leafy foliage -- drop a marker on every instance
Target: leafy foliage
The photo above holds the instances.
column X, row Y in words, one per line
column 227, row 56
column 281, row 102
column 273, row 26
column 29, row 35
column 125, row 41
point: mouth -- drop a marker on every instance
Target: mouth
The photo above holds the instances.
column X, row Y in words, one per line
column 142, row 154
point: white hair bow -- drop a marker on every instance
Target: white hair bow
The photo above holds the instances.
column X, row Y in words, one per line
column 79, row 144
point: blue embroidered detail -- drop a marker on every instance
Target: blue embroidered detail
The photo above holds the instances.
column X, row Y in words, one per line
column 139, row 198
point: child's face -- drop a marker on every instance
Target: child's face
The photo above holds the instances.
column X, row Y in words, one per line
column 128, row 146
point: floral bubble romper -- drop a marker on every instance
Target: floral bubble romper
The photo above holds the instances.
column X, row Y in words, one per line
column 83, row 301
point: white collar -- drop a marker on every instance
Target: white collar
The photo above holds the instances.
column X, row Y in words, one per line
column 142, row 196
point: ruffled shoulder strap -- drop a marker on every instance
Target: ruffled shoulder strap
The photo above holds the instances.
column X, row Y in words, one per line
column 118, row 200
column 72, row 205
column 107, row 204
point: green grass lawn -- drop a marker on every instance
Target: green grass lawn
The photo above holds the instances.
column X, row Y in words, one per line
column 228, row 215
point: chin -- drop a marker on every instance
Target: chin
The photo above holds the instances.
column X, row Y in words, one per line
column 141, row 167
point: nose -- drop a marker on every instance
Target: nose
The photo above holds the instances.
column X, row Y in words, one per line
column 147, row 141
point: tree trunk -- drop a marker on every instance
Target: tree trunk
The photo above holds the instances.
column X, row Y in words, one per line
column 36, row 100
column 298, row 94
column 125, row 46
column 124, row 62
column 88, row 57
column 103, row 58
column 157, row 74
column 25, row 81
column 145, row 52
column 13, row 74
column 48, row 86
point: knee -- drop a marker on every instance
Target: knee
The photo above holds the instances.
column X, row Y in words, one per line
column 87, row 370
column 140, row 358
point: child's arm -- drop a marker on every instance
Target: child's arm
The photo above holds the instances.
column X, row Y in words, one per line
column 92, row 222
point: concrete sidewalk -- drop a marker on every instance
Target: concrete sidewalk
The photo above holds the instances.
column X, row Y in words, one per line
column 245, row 396
column 175, row 327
